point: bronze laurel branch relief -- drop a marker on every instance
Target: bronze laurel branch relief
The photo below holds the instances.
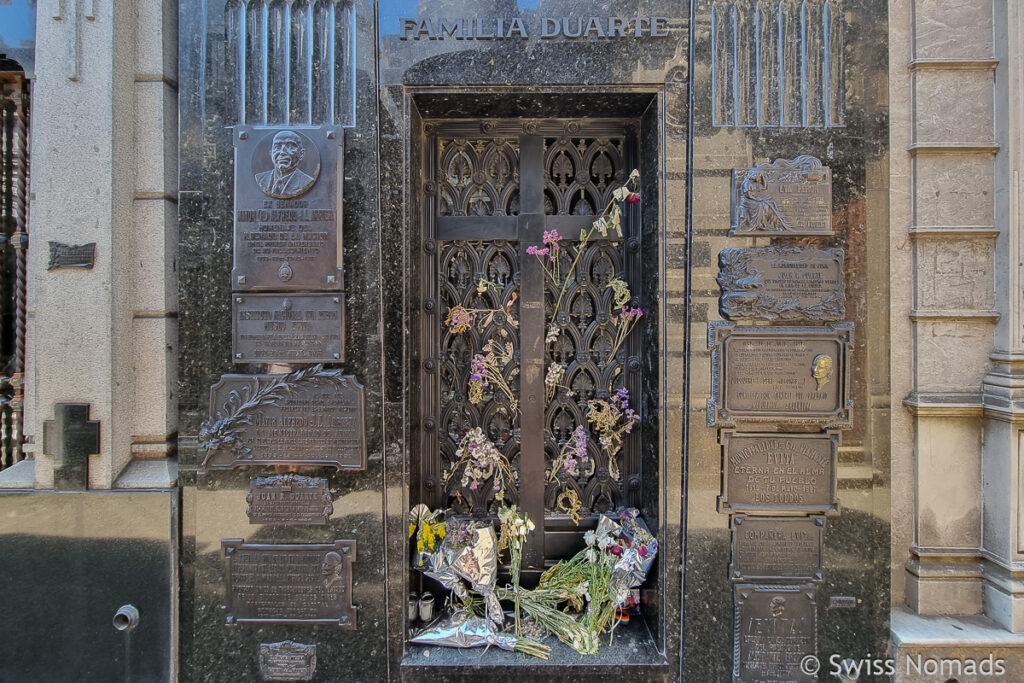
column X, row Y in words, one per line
column 317, row 411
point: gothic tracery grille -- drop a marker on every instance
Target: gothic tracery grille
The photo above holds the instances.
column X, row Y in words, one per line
column 479, row 219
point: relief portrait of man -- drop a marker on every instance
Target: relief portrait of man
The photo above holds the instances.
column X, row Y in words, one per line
column 286, row 180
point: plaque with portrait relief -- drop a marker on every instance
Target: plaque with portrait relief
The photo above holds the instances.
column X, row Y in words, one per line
column 783, row 375
column 287, row 213
column 775, row 628
column 783, row 198
column 289, row 583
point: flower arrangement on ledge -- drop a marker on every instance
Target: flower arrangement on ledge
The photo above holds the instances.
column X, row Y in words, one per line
column 580, row 599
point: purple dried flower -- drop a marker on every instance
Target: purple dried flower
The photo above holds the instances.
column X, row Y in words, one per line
column 551, row 237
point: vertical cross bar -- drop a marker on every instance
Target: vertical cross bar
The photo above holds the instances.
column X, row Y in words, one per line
column 531, row 380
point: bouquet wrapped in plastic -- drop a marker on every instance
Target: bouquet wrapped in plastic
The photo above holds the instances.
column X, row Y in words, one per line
column 454, row 550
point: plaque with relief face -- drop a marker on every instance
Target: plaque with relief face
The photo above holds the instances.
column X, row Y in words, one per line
column 775, row 628
column 287, row 208
column 289, row 583
column 781, row 375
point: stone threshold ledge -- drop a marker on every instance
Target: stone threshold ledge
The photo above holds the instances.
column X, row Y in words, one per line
column 632, row 656
column 950, row 641
column 20, row 475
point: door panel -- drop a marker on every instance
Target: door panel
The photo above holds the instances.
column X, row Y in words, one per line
column 493, row 188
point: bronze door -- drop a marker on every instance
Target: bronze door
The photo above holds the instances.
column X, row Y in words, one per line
column 492, row 189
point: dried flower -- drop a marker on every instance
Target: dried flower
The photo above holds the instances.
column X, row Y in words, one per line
column 480, row 460
column 624, row 324
column 459, row 319
column 488, row 368
column 552, row 379
column 572, row 454
column 611, row 420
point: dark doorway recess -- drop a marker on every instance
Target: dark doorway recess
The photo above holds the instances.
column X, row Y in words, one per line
column 490, row 174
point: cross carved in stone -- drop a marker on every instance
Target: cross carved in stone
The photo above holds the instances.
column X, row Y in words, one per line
column 71, row 437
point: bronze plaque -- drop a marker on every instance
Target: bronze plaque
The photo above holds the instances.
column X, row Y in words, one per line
column 287, row 661
column 309, row 417
column 71, row 255
column 289, row 499
column 791, row 197
column 287, row 208
column 782, row 375
column 777, row 548
column 765, row 472
column 287, row 328
column 775, row 630
column 289, row 584
column 782, row 283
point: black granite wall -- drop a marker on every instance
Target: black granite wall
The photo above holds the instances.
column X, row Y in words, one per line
column 689, row 143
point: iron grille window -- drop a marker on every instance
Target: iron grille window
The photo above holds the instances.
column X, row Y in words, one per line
column 14, row 110
column 493, row 188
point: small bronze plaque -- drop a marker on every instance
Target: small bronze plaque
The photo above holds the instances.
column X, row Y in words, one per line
column 288, row 328
column 775, row 629
column 785, row 197
column 289, row 584
column 287, row 210
column 777, row 548
column 779, row 472
column 71, row 255
column 289, row 499
column 309, row 417
column 287, row 661
column 782, row 283
column 782, row 375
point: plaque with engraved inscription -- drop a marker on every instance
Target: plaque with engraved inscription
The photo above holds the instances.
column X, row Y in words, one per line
column 287, row 208
column 787, row 197
column 782, row 375
column 289, row 499
column 312, row 416
column 776, row 472
column 777, row 548
column 775, row 627
column 782, row 283
column 287, row 661
column 289, row 584
column 287, row 328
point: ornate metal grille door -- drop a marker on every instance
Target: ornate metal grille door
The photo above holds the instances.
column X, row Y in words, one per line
column 14, row 105
column 492, row 190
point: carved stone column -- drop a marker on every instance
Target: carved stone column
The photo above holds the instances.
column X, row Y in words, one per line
column 1003, row 386
column 944, row 243
column 104, row 173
